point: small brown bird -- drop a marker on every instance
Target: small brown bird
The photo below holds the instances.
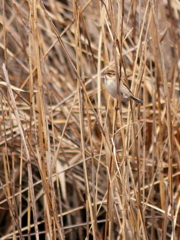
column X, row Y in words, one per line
column 111, row 86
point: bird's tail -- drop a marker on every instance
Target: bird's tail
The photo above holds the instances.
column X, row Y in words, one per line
column 136, row 99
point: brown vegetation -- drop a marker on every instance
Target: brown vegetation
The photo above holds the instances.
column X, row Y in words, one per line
column 75, row 163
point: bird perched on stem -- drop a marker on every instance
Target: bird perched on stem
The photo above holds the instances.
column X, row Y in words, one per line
column 111, row 86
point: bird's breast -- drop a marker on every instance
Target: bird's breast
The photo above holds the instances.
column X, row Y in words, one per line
column 111, row 87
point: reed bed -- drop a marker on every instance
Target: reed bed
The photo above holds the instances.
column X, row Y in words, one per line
column 76, row 163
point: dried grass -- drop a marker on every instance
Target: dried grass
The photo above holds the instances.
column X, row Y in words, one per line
column 76, row 164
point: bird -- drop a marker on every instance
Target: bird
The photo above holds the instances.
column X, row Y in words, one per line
column 111, row 86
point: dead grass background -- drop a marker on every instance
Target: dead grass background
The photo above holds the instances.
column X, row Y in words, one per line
column 73, row 166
